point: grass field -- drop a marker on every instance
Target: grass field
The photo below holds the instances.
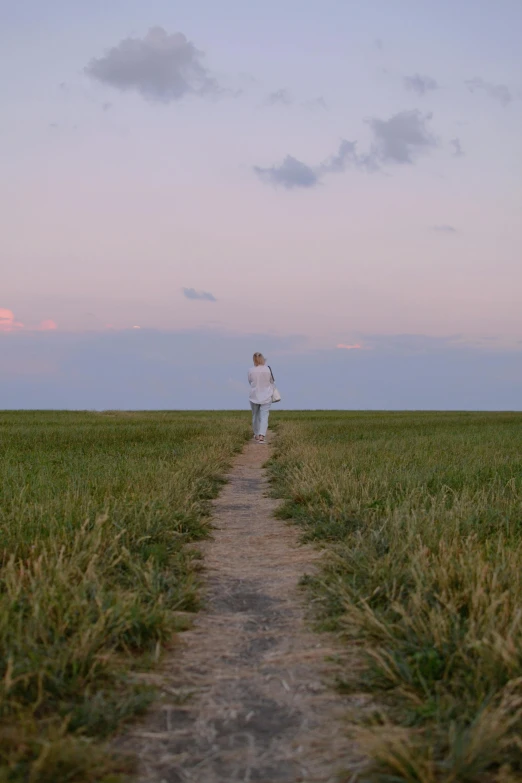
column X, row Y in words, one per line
column 422, row 515
column 96, row 511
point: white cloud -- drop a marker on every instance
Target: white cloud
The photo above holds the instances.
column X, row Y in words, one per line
column 499, row 92
column 279, row 97
column 403, row 137
column 291, row 173
column 160, row 66
column 420, row 85
column 206, row 296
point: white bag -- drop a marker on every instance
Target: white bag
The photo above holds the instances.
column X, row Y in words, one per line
column 276, row 397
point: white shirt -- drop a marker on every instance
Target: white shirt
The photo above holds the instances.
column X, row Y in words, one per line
column 261, row 386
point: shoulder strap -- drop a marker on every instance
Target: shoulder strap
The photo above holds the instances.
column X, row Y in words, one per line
column 271, row 373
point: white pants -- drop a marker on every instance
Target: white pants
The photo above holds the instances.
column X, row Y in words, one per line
column 260, row 417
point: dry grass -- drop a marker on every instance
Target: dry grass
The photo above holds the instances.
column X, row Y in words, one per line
column 95, row 574
column 246, row 695
column 422, row 514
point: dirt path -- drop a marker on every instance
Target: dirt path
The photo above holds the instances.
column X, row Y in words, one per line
column 246, row 695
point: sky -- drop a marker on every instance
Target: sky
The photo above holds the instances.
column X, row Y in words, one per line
column 335, row 184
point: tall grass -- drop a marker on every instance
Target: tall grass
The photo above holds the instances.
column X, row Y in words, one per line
column 96, row 513
column 422, row 516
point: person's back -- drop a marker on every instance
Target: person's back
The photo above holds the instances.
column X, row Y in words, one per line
column 261, row 387
column 261, row 390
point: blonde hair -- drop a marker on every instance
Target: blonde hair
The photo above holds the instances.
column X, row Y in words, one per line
column 258, row 359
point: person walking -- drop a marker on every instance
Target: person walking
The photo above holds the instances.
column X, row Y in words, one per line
column 261, row 383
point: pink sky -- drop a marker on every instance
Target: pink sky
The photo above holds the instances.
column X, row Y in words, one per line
column 117, row 197
column 8, row 323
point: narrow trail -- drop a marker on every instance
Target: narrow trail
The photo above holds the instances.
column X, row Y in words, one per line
column 246, row 694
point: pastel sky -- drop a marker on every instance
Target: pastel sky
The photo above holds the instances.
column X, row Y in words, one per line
column 337, row 184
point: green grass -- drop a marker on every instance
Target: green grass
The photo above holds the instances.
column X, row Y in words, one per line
column 422, row 517
column 96, row 511
column 421, row 514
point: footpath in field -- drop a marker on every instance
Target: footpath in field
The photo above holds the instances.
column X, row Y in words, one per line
column 247, row 694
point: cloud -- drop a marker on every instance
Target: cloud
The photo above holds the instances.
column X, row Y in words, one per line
column 420, row 85
column 499, row 92
column 458, row 152
column 315, row 103
column 191, row 293
column 291, row 173
column 48, row 325
column 379, row 44
column 347, row 156
column 160, row 66
column 8, row 323
column 283, row 97
column 401, row 138
column 279, row 97
column 344, row 346
column 398, row 140
column 445, row 228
